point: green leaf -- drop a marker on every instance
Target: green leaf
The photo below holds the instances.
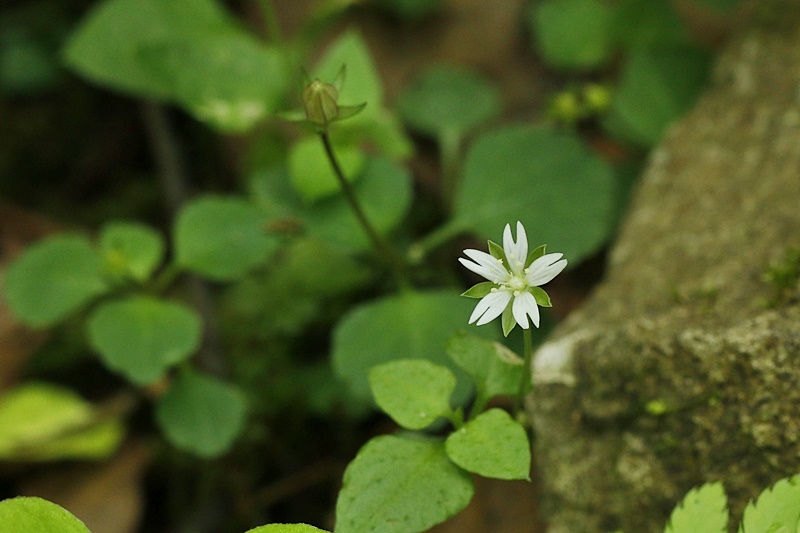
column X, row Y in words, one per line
column 414, row 392
column 201, row 414
column 399, row 485
column 494, row 368
column 497, row 251
column 311, row 172
column 479, row 290
column 141, row 336
column 384, row 191
column 54, row 278
column 572, row 34
column 44, row 422
column 538, row 176
column 448, row 98
column 131, row 249
column 537, row 252
column 28, row 514
column 776, row 510
column 492, row 445
column 508, row 320
column 703, row 510
column 408, row 325
column 221, row 238
column 658, row 84
column 542, row 298
column 637, row 23
column 286, row 528
column 411, row 8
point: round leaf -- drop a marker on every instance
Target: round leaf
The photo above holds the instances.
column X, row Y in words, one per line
column 492, row 445
column 494, row 368
column 572, row 33
column 141, row 337
column 44, row 422
column 130, row 248
column 286, row 528
column 201, row 414
column 222, row 238
column 413, row 392
column 561, row 191
column 311, row 172
column 29, row 514
column 54, row 278
column 447, row 98
column 409, row 325
column 397, row 485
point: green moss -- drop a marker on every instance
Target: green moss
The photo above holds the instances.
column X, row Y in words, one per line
column 783, row 276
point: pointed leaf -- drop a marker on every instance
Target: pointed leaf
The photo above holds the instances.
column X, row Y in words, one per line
column 131, row 249
column 399, row 485
column 508, row 320
column 414, row 392
column 141, row 336
column 538, row 252
column 494, row 368
column 496, row 251
column 54, row 278
column 776, row 510
column 542, row 298
column 27, row 514
column 702, row 510
column 201, row 414
column 492, row 445
column 479, row 290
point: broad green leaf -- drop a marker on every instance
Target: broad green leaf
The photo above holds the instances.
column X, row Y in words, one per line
column 44, row 422
column 410, row 8
column 494, row 368
column 549, row 180
column 221, row 237
column 131, row 249
column 414, row 392
column 408, row 325
column 141, row 337
column 658, row 84
column 109, row 46
column 54, row 278
column 702, row 510
column 777, row 509
column 201, row 414
column 384, row 191
column 286, row 528
column 311, row 172
column 492, row 445
column 447, row 98
column 35, row 515
column 572, row 34
column 399, row 485
column 637, row 23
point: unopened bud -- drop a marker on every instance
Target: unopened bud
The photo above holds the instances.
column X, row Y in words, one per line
column 320, row 102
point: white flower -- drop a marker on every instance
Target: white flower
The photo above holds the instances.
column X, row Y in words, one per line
column 514, row 278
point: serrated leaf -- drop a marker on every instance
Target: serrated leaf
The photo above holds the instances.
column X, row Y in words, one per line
column 311, row 171
column 141, row 336
column 414, row 392
column 201, row 414
column 448, row 99
column 511, row 169
column 221, row 237
column 399, row 485
column 494, row 369
column 54, row 278
column 286, row 528
column 29, row 514
column 703, row 510
column 131, row 249
column 411, row 324
column 572, row 34
column 44, row 422
column 776, row 510
column 491, row 445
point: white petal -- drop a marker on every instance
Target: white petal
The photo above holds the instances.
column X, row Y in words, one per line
column 516, row 252
column 485, row 265
column 490, row 307
column 524, row 306
column 545, row 269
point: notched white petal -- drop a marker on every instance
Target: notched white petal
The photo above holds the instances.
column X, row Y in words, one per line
column 545, row 269
column 524, row 307
column 490, row 307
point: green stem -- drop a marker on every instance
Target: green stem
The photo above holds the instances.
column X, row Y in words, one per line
column 420, row 249
column 527, row 371
column 478, row 405
column 449, row 150
column 392, row 259
column 271, row 21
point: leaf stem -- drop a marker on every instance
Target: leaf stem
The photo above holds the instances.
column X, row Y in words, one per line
column 449, row 149
column 420, row 249
column 527, row 371
column 393, row 260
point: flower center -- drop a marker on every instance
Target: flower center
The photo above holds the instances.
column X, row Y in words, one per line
column 517, row 283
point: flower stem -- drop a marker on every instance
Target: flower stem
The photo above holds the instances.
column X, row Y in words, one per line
column 387, row 253
column 271, row 21
column 527, row 370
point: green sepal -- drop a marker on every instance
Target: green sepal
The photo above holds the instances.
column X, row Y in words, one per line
column 479, row 290
column 542, row 298
column 534, row 255
column 497, row 252
column 508, row 320
column 347, row 111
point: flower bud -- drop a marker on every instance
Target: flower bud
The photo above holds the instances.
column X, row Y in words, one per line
column 320, row 102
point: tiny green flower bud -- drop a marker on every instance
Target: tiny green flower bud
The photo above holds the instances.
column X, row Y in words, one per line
column 320, row 102
column 597, row 97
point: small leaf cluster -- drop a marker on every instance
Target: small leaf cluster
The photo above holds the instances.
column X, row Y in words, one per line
column 412, row 481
